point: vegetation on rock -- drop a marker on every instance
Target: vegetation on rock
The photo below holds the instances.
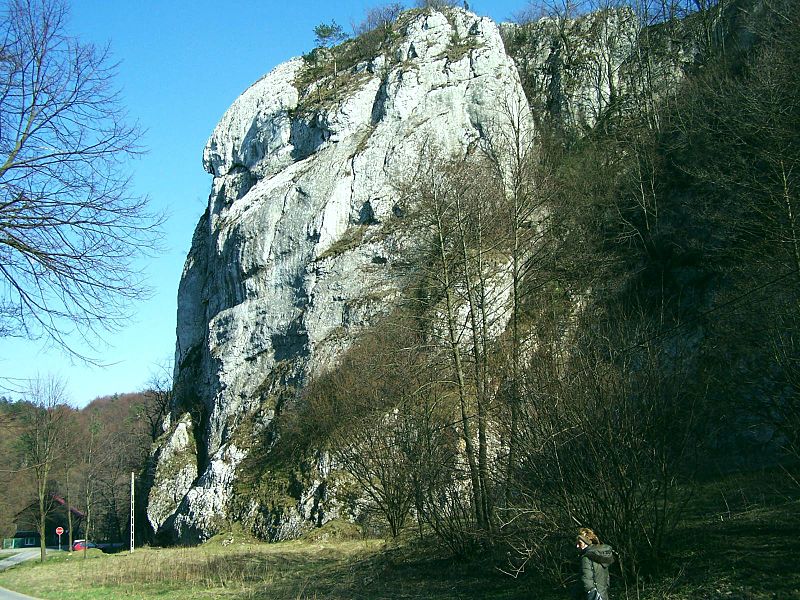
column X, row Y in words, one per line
column 604, row 306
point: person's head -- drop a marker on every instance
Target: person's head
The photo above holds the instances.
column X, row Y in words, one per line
column 586, row 537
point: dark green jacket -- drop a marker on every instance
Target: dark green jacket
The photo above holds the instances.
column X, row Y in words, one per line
column 595, row 561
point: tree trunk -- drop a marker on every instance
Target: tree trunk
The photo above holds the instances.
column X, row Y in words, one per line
column 455, row 352
column 479, row 342
column 42, row 532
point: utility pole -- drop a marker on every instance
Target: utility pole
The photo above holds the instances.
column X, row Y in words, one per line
column 132, row 492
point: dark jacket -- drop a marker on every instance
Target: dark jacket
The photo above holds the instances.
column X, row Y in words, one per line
column 595, row 561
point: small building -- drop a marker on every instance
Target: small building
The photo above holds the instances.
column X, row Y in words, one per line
column 27, row 534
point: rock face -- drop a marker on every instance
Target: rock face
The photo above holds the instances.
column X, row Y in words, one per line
column 573, row 68
column 577, row 70
column 176, row 469
column 298, row 249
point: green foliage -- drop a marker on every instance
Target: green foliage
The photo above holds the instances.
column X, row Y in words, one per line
column 327, row 35
column 231, row 534
column 350, row 239
column 335, row 530
column 369, row 45
column 330, row 70
column 273, row 484
column 458, row 48
column 270, row 476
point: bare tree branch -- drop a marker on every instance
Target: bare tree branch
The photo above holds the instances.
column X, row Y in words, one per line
column 70, row 230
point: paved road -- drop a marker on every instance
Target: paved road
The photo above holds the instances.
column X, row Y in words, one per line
column 22, row 555
column 10, row 562
column 9, row 595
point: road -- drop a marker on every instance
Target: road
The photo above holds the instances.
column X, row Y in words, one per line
column 22, row 555
column 9, row 595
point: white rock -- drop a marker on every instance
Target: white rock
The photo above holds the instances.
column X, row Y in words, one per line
column 255, row 130
column 175, row 471
column 291, row 260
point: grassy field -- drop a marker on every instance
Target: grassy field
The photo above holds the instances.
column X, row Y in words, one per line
column 741, row 544
column 346, row 569
column 738, row 547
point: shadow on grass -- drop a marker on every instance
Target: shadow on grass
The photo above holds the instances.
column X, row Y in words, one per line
column 389, row 573
column 741, row 543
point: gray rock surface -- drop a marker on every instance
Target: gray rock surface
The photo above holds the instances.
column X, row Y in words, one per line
column 297, row 251
column 176, row 470
column 576, row 69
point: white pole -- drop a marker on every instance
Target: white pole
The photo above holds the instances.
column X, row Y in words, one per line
column 132, row 488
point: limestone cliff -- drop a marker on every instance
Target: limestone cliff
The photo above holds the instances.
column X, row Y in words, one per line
column 301, row 247
column 298, row 249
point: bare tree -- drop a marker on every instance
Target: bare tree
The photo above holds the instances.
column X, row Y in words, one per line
column 432, row 190
column 70, row 229
column 526, row 217
column 378, row 17
column 69, row 461
column 462, row 288
column 371, row 451
column 612, row 441
column 157, row 399
column 14, row 476
column 44, row 426
column 738, row 143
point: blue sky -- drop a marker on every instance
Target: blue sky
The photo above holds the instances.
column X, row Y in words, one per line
column 182, row 63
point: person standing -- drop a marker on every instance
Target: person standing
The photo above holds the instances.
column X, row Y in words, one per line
column 595, row 559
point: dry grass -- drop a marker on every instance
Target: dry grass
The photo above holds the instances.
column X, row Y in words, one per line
column 288, row 570
column 215, row 571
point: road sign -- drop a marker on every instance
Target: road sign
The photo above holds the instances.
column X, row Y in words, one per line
column 59, row 530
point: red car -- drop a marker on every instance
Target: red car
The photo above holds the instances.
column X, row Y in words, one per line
column 83, row 545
